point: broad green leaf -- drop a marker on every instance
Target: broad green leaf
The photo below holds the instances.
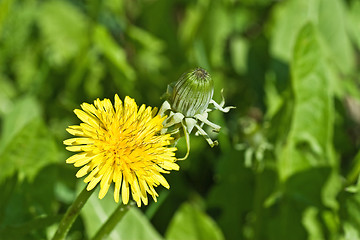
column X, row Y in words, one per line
column 64, row 30
column 133, row 226
column 353, row 20
column 288, row 18
column 327, row 16
column 26, row 145
column 332, row 27
column 310, row 134
column 191, row 223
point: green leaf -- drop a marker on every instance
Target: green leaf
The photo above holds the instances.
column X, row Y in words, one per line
column 327, row 16
column 332, row 27
column 133, row 226
column 26, row 145
column 288, row 19
column 64, row 30
column 310, row 136
column 353, row 19
column 191, row 223
column 112, row 51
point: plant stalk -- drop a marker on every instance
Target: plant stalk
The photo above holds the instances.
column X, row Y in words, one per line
column 71, row 214
column 111, row 222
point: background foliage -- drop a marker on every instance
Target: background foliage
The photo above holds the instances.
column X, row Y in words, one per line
column 288, row 163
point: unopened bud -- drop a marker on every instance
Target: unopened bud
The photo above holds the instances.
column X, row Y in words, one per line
column 192, row 93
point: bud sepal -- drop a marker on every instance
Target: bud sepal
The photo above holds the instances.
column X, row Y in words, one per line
column 187, row 107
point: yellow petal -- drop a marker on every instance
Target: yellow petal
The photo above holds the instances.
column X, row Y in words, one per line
column 87, row 118
column 78, row 141
column 75, row 157
column 105, row 184
column 125, row 192
column 83, row 171
column 93, row 183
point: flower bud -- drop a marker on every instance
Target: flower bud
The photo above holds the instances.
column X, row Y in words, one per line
column 192, row 92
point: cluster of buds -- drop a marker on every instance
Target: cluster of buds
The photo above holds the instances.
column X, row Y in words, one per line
column 187, row 107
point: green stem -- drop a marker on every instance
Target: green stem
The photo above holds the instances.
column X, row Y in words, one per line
column 110, row 224
column 71, row 214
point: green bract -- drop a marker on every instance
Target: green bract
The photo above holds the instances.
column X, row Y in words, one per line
column 192, row 92
column 187, row 107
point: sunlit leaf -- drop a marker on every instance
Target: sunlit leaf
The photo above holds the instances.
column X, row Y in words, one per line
column 191, row 223
column 289, row 17
column 311, row 134
column 332, row 27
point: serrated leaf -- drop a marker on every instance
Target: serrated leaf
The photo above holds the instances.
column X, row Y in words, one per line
column 191, row 223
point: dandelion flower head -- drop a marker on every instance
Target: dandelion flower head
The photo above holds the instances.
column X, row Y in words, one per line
column 121, row 144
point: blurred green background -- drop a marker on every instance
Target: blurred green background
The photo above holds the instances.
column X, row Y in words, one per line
column 287, row 166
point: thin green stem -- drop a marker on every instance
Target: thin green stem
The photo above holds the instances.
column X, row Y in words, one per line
column 71, row 214
column 112, row 221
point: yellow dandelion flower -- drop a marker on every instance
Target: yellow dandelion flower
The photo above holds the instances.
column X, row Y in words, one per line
column 121, row 144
